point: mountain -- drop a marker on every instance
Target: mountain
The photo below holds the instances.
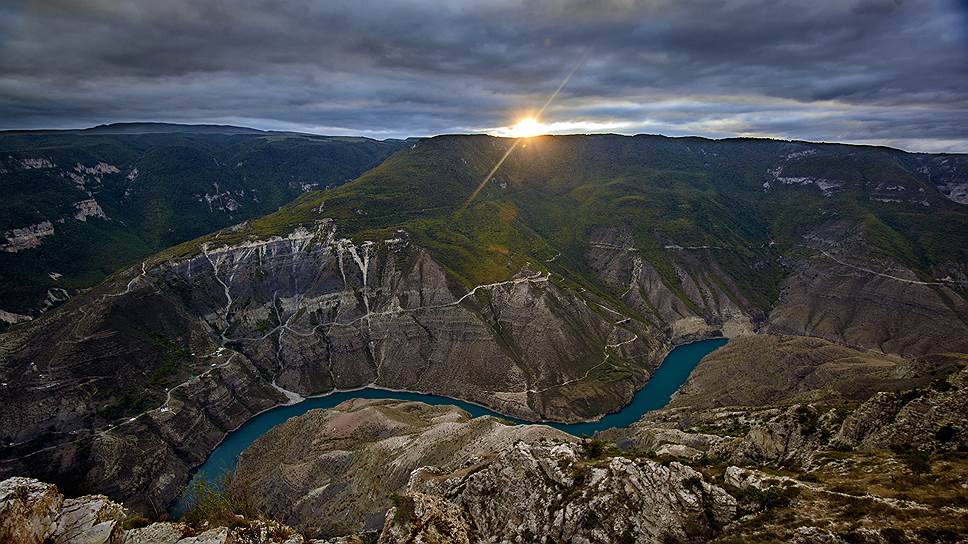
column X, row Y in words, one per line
column 169, row 128
column 142, row 128
column 80, row 204
column 551, row 290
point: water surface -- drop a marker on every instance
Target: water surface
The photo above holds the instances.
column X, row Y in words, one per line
column 671, row 374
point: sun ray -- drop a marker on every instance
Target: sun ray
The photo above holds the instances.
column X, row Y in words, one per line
column 525, row 128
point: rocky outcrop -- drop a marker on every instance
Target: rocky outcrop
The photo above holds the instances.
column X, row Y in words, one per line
column 929, row 419
column 27, row 237
column 419, row 517
column 88, row 208
column 949, row 173
column 553, row 491
column 10, row 318
column 28, row 510
column 762, row 436
column 33, row 512
column 333, row 472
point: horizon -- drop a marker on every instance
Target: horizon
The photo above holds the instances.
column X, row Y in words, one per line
column 866, row 72
column 509, row 137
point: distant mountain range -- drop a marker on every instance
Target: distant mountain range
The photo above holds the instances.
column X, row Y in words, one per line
column 144, row 128
column 79, row 204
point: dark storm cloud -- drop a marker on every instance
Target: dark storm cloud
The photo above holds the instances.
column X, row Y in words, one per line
column 880, row 71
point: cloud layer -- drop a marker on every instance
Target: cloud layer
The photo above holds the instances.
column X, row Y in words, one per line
column 873, row 71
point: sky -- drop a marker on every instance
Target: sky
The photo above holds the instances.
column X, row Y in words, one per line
column 887, row 72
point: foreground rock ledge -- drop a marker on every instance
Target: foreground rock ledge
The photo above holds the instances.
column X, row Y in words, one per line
column 529, row 493
column 523, row 493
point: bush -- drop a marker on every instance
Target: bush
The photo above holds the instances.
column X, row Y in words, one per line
column 773, row 497
column 918, row 463
column 946, row 433
column 220, row 504
column 594, row 448
column 135, row 520
column 809, row 477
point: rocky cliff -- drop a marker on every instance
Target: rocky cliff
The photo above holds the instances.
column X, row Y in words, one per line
column 335, row 472
column 81, row 204
column 34, row 512
column 552, row 294
column 176, row 353
column 554, row 491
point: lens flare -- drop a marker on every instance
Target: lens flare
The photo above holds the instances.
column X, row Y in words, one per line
column 528, row 127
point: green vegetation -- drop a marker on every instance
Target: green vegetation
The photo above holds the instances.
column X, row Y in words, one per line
column 160, row 189
column 219, row 504
column 594, row 448
column 555, row 194
column 550, row 197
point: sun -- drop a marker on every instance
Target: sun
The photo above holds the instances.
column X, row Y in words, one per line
column 528, row 127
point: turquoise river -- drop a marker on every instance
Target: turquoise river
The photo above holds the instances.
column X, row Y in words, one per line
column 671, row 374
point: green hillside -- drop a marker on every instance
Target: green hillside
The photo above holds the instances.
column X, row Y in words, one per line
column 544, row 203
column 156, row 189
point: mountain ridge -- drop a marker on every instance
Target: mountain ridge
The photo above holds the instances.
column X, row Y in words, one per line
column 80, row 205
column 553, row 295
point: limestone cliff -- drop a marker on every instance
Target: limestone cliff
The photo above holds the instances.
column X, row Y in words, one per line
column 33, row 512
column 552, row 295
column 333, row 472
column 555, row 492
column 146, row 358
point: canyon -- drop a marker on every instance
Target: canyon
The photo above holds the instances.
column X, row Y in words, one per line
column 553, row 294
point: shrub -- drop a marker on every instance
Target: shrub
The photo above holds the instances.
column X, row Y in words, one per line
column 809, row 477
column 946, row 433
column 918, row 463
column 594, row 448
column 220, row 504
column 135, row 520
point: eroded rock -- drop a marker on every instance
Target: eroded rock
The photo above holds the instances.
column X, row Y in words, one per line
column 530, row 492
column 332, row 472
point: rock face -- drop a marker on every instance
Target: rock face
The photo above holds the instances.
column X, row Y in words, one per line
column 425, row 518
column 527, row 493
column 849, row 294
column 949, row 174
column 309, row 312
column 319, row 312
column 928, row 419
column 714, row 307
column 88, row 208
column 33, row 512
column 27, row 237
column 28, row 510
column 333, row 472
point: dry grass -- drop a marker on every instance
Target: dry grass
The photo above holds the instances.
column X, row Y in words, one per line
column 876, row 492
